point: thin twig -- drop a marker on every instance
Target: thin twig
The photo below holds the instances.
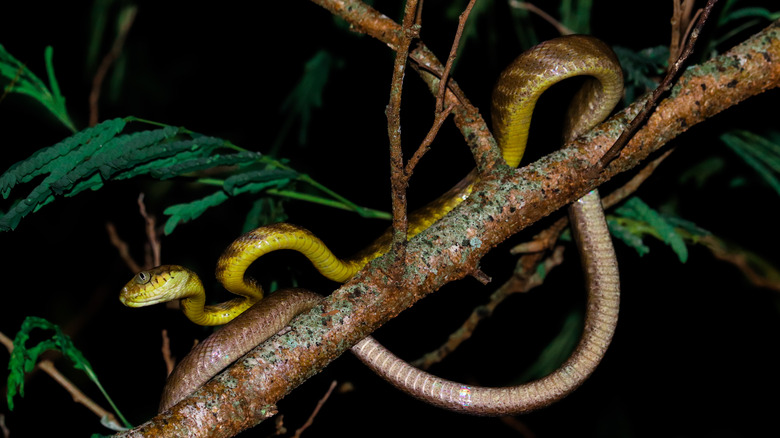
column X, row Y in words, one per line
column 168, row 358
column 152, row 256
column 112, row 55
column 3, row 427
column 633, row 184
column 681, row 19
column 530, row 7
column 518, row 426
column 122, row 247
column 151, row 233
column 425, row 146
column 314, row 413
column 464, row 16
column 78, row 396
column 398, row 181
column 755, row 268
column 651, row 103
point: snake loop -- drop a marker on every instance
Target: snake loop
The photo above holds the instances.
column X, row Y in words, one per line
column 514, row 98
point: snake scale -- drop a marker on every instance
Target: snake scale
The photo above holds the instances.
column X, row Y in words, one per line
column 254, row 320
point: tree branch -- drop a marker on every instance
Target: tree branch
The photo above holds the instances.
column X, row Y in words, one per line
column 504, row 202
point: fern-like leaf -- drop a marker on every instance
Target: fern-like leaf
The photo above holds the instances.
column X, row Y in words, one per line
column 654, row 223
column 23, row 81
column 24, row 358
column 180, row 213
column 760, row 153
column 48, row 160
column 90, row 158
column 627, row 236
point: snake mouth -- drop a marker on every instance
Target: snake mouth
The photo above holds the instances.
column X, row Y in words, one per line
column 134, row 300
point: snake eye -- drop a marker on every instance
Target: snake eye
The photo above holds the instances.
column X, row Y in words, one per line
column 142, row 277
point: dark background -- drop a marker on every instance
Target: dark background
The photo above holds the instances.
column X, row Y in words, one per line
column 693, row 355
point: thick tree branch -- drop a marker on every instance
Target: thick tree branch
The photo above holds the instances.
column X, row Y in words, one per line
column 504, row 202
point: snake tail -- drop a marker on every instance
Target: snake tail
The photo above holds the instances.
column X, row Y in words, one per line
column 600, row 321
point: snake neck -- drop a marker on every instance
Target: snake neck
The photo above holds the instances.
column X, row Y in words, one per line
column 192, row 297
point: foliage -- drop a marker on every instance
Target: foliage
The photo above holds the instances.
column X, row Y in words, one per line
column 106, row 152
column 21, row 80
column 762, row 153
column 306, row 97
column 641, row 68
column 95, row 155
column 24, row 358
column 637, row 219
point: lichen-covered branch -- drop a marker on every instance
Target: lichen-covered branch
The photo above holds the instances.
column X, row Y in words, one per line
column 504, row 202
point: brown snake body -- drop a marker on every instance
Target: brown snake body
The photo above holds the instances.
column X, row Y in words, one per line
column 514, row 98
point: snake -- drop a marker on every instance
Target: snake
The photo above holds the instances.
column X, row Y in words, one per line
column 251, row 319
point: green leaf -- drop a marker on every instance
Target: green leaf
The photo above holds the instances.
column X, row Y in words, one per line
column 88, row 159
column 24, row 358
column 237, row 184
column 760, row 153
column 306, row 97
column 264, row 211
column 52, row 159
column 180, row 167
column 749, row 12
column 575, row 15
column 191, row 210
column 635, row 208
column 641, row 68
column 625, row 235
column 21, row 80
column 556, row 352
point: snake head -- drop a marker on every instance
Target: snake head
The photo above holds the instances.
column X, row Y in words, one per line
column 157, row 285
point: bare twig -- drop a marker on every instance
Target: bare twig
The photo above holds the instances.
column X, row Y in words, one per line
column 633, row 184
column 151, row 234
column 122, row 247
column 314, row 413
column 464, row 16
column 651, row 103
column 152, row 253
column 3, row 427
column 78, row 396
column 441, row 112
column 518, row 426
column 755, row 268
column 681, row 26
column 530, row 7
column 426, row 143
column 398, row 180
column 168, row 358
column 116, row 49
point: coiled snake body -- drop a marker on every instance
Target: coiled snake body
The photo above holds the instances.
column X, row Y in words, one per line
column 514, row 98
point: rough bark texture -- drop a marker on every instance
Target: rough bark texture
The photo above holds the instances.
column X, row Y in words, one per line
column 503, row 203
